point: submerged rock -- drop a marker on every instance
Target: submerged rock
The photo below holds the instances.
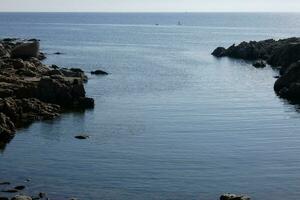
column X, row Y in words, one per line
column 234, row 197
column 4, row 183
column 10, row 191
column 20, row 187
column 82, row 137
column 99, row 72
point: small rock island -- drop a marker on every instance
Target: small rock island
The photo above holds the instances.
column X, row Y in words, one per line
column 31, row 90
column 282, row 54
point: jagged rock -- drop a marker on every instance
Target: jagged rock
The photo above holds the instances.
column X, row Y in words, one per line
column 279, row 53
column 26, row 50
column 219, row 52
column 234, row 197
column 62, row 92
column 3, row 51
column 25, row 111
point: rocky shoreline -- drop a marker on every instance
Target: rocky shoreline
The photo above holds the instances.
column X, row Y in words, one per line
column 283, row 55
column 31, row 90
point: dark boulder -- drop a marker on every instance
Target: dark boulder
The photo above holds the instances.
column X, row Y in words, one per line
column 284, row 55
column 26, row 50
column 259, row 64
column 219, row 52
column 86, row 103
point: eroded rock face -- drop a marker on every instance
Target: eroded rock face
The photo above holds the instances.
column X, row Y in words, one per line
column 283, row 54
column 30, row 90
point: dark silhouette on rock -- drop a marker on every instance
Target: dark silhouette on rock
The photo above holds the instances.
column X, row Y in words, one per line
column 281, row 54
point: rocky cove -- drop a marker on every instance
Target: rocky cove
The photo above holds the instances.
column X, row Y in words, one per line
column 283, row 55
column 31, row 90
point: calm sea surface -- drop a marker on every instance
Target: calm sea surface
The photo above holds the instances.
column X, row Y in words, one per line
column 171, row 121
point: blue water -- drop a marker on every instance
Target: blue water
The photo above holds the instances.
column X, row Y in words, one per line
column 171, row 121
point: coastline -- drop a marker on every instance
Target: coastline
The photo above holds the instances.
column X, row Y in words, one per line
column 32, row 91
column 283, row 55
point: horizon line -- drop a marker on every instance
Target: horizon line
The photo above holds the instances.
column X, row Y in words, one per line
column 149, row 11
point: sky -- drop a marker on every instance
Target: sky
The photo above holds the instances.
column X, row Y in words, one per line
column 150, row 5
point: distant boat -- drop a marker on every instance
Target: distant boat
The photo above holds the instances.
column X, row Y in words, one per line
column 179, row 23
column 156, row 24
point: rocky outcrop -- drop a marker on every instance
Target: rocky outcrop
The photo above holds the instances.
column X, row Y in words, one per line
column 26, row 50
column 288, row 85
column 30, row 90
column 283, row 54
